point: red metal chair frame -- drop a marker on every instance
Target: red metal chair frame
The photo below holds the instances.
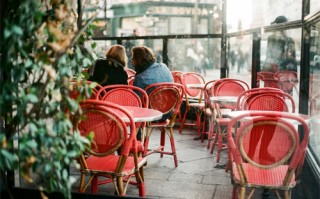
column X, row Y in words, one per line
column 110, row 136
column 165, row 97
column 275, row 165
column 209, row 112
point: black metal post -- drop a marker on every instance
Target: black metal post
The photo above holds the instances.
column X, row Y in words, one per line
column 224, row 70
column 255, row 59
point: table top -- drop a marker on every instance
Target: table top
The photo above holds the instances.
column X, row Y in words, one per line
column 195, row 86
column 140, row 114
column 224, row 99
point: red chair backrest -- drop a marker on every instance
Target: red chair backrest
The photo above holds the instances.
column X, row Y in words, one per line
column 165, row 97
column 229, row 87
column 192, row 78
column 177, row 76
column 110, row 131
column 281, row 144
column 125, row 95
column 272, row 99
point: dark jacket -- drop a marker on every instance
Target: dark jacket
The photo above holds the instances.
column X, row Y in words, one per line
column 281, row 54
column 108, row 72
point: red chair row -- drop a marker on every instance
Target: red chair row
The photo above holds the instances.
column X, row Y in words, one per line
column 165, row 97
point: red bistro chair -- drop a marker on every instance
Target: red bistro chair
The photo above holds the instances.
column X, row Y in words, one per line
column 276, row 164
column 126, row 95
column 167, row 98
column 224, row 87
column 110, row 136
column 193, row 99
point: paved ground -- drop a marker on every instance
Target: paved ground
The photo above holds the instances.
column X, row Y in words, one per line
column 198, row 175
column 195, row 177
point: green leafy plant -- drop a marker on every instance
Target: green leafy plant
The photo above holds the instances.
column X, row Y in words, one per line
column 42, row 50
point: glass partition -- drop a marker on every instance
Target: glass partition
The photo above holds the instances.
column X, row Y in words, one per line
column 314, row 90
column 239, row 58
column 314, row 6
column 252, row 14
column 198, row 55
column 120, row 18
column 280, row 61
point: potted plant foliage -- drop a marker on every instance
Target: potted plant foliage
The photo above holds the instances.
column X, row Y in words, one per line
column 40, row 53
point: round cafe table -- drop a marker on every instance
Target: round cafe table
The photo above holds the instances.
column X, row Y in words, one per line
column 195, row 86
column 224, row 99
column 140, row 114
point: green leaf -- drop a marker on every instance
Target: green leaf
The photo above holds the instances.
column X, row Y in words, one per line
column 17, row 30
column 32, row 98
column 47, row 168
column 94, row 45
column 7, row 33
column 31, row 144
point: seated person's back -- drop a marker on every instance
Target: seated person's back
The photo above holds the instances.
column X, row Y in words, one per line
column 111, row 70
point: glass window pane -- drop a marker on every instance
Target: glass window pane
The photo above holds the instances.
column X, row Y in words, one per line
column 251, row 14
column 239, row 58
column 314, row 6
column 280, row 61
column 314, row 89
column 161, row 17
column 197, row 55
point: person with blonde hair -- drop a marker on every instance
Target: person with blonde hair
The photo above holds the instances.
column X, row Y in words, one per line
column 110, row 70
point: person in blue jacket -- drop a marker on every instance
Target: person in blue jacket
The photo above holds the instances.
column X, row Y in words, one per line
column 148, row 71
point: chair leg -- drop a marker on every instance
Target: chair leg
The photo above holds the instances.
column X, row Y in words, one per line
column 184, row 119
column 242, row 192
column 234, row 192
column 215, row 141
column 287, row 194
column 146, row 141
column 94, row 185
column 173, row 147
column 120, row 187
column 81, row 187
column 140, row 182
column 219, row 144
column 199, row 113
column 162, row 140
column 204, row 129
